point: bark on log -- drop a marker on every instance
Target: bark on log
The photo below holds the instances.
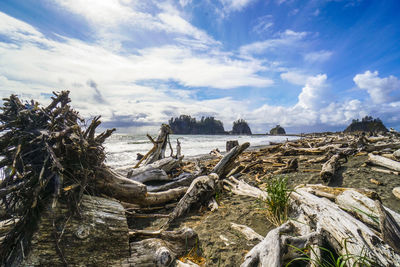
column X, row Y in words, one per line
column 199, row 193
column 85, row 240
column 390, row 229
column 384, row 162
column 227, row 163
column 329, row 168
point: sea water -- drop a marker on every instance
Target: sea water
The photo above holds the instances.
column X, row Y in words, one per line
column 122, row 149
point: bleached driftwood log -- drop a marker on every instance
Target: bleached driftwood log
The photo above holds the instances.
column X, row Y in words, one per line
column 343, row 232
column 160, row 144
column 396, row 154
column 160, row 248
column 199, row 193
column 156, row 171
column 329, row 168
column 396, row 192
column 227, row 163
column 249, row 233
column 384, row 162
column 240, row 187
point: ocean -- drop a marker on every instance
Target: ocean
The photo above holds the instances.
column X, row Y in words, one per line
column 121, row 149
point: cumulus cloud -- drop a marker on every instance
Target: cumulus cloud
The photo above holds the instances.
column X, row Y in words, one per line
column 313, row 95
column 381, row 90
column 294, row 77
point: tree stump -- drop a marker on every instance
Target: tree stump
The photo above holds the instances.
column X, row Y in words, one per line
column 231, row 144
column 99, row 238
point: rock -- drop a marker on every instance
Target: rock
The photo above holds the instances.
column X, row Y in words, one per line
column 396, row 192
column 185, row 124
column 240, row 127
column 367, row 124
column 277, row 130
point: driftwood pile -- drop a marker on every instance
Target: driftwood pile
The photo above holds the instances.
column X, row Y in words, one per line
column 59, row 200
column 61, row 204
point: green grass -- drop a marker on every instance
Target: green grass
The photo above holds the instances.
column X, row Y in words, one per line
column 329, row 258
column 277, row 202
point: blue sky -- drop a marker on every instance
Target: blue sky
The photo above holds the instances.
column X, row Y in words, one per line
column 307, row 65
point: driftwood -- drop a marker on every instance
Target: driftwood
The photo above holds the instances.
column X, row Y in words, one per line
column 156, row 171
column 160, row 144
column 291, row 166
column 58, row 241
column 227, row 163
column 248, row 233
column 199, row 192
column 231, row 144
column 343, row 232
column 160, row 248
column 329, row 168
column 389, row 227
column 396, row 192
column 384, row 162
column 396, row 154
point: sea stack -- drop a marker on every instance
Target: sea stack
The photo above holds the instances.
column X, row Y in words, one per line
column 277, row 130
column 241, row 127
column 367, row 124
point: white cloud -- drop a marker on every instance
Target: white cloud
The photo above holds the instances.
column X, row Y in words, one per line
column 286, row 38
column 235, row 5
column 294, row 77
column 319, row 56
column 313, row 95
column 381, row 90
column 263, row 24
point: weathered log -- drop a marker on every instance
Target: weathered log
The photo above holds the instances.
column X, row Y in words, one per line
column 227, row 163
column 340, row 226
column 384, row 162
column 329, row 168
column 379, row 147
column 160, row 248
column 160, row 144
column 157, row 171
column 248, row 233
column 80, row 240
column 396, row 192
column 244, row 189
column 199, row 193
column 291, row 166
column 396, row 154
column 231, row 144
column 390, row 229
column 385, row 171
column 185, row 179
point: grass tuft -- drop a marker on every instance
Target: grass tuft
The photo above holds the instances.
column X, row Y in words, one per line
column 277, row 202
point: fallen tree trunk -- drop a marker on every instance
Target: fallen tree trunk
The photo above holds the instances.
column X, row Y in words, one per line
column 160, row 144
column 384, row 162
column 157, row 171
column 329, row 168
column 62, row 239
column 199, row 193
column 227, row 163
column 343, row 232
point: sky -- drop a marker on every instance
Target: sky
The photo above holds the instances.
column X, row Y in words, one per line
column 306, row 65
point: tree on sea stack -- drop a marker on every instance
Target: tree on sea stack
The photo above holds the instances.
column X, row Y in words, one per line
column 240, row 127
column 277, row 130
